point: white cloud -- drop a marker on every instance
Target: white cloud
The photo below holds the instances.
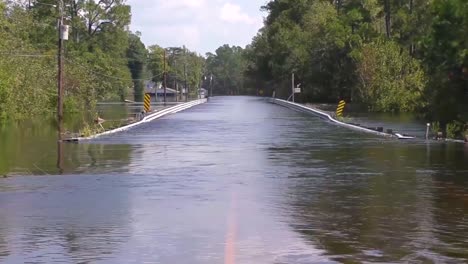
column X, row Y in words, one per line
column 190, row 35
column 201, row 25
column 233, row 13
column 181, row 3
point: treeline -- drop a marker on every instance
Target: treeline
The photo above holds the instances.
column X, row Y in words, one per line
column 389, row 55
column 104, row 60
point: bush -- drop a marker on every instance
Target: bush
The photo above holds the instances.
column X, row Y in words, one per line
column 435, row 127
column 466, row 132
column 389, row 78
column 90, row 130
column 455, row 130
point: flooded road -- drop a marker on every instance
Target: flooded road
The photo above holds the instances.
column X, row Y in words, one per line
column 239, row 180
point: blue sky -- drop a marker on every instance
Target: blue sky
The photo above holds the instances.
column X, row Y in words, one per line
column 202, row 25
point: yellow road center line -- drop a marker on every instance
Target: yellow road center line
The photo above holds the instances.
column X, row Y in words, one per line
column 230, row 245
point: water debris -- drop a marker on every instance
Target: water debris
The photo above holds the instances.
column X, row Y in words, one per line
column 99, row 120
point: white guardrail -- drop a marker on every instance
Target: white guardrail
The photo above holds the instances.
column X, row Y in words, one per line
column 148, row 118
column 302, row 108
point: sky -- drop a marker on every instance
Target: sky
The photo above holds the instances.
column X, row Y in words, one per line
column 200, row 25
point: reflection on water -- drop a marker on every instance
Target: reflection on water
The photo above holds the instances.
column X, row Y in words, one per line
column 237, row 178
column 31, row 148
column 52, row 219
column 365, row 199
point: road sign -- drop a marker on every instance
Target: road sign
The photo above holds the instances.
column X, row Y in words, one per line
column 297, row 90
column 147, row 102
column 339, row 110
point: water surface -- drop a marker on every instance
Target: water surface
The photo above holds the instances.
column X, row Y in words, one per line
column 239, row 180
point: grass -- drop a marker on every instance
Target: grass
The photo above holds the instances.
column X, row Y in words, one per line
column 88, row 130
column 344, row 119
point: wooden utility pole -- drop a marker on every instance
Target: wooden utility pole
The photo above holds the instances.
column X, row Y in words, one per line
column 412, row 47
column 60, row 82
column 61, row 37
column 185, row 83
column 175, row 78
column 165, row 77
column 185, row 76
column 387, row 18
column 292, row 87
column 211, row 85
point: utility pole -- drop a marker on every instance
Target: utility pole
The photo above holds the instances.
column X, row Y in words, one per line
column 292, row 87
column 165, row 77
column 412, row 46
column 211, row 85
column 62, row 35
column 201, row 85
column 387, row 18
column 185, row 75
column 175, row 78
column 199, row 88
column 185, row 83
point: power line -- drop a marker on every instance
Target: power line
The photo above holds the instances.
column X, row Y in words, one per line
column 26, row 55
column 77, row 64
column 109, row 76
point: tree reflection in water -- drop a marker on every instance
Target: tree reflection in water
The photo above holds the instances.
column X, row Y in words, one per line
column 383, row 203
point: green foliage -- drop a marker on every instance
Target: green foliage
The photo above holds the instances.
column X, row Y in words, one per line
column 336, row 49
column 228, row 67
column 195, row 65
column 446, row 58
column 435, row 126
column 137, row 56
column 95, row 67
column 388, row 55
column 389, row 79
column 329, row 39
column 455, row 130
column 21, row 78
column 90, row 130
column 183, row 67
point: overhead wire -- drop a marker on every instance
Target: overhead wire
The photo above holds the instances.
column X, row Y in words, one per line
column 10, row 54
column 109, row 76
column 25, row 55
column 39, row 55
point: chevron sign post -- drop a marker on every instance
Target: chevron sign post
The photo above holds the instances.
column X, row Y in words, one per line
column 147, row 103
column 339, row 110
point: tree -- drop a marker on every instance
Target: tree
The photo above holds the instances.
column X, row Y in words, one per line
column 185, row 66
column 389, row 80
column 95, row 66
column 228, row 65
column 137, row 56
column 446, row 57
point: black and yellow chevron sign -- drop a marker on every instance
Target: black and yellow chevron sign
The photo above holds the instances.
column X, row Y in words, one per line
column 147, row 102
column 339, row 110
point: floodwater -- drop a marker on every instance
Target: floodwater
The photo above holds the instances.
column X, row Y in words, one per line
column 236, row 180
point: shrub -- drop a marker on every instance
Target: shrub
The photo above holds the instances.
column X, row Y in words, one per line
column 389, row 78
column 455, row 129
column 435, row 127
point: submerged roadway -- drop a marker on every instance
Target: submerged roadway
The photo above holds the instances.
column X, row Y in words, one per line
column 240, row 180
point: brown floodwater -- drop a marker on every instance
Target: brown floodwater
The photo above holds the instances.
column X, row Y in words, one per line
column 235, row 180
